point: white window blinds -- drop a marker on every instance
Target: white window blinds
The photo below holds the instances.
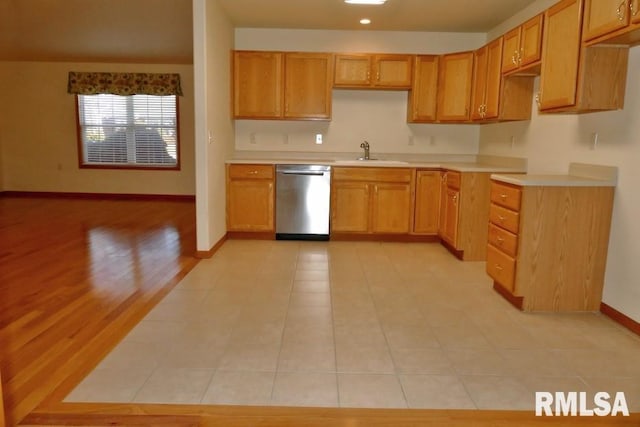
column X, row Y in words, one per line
column 134, row 130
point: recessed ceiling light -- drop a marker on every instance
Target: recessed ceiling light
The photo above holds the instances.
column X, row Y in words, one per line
column 365, row 1
column 365, row 21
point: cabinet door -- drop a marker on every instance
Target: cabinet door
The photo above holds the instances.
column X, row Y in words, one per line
column 561, row 50
column 352, row 70
column 450, row 229
column 393, row 71
column 307, row 85
column 479, row 83
column 257, row 84
column 493, row 79
column 634, row 7
column 350, row 206
column 455, row 78
column 250, row 204
column 427, row 206
column 423, row 95
column 531, row 41
column 604, row 16
column 510, row 51
column 391, row 208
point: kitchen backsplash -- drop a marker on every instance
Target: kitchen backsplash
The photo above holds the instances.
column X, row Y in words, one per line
column 379, row 117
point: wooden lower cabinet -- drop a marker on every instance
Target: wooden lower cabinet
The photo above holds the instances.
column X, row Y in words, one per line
column 391, row 208
column 427, row 202
column 250, row 198
column 371, row 200
column 464, row 213
column 350, row 207
column 553, row 258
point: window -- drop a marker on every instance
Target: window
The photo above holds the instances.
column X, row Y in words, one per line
column 136, row 131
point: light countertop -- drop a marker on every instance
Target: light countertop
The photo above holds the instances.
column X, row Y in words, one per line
column 456, row 166
column 579, row 175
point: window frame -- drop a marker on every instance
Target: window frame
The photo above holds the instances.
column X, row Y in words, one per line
column 126, row 166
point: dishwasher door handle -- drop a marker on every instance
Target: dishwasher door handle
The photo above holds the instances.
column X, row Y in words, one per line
column 303, row 173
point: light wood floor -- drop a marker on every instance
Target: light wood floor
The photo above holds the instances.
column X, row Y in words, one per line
column 77, row 275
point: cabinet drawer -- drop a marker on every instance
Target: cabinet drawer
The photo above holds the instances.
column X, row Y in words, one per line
column 502, row 239
column 504, row 218
column 453, row 179
column 501, row 267
column 506, row 195
column 372, row 174
column 251, row 171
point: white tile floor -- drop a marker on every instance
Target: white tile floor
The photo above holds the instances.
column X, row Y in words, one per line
column 341, row 324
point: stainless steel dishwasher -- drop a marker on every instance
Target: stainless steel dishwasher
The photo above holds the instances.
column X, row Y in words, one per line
column 302, row 202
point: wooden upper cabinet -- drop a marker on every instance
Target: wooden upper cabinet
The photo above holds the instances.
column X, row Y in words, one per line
column 454, row 87
column 383, row 71
column 523, row 47
column 605, row 16
column 576, row 78
column 480, row 59
column 423, row 94
column 307, row 85
column 352, row 70
column 561, row 55
column 278, row 85
column 487, row 77
column 257, row 84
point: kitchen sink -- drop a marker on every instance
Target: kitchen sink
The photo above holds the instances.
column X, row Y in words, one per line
column 370, row 162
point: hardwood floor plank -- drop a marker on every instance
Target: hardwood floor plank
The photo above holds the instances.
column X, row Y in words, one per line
column 75, row 276
column 246, row 416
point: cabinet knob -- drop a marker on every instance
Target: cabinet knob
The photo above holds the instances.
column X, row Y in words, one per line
column 253, row 172
column 621, row 10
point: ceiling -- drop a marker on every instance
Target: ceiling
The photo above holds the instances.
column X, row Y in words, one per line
column 396, row 15
column 157, row 31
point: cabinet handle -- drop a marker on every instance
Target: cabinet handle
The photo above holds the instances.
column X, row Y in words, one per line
column 378, row 76
column 632, row 8
column 501, row 218
column 499, row 267
column 503, row 196
column 500, row 240
column 513, row 59
column 455, row 198
column 620, row 11
column 538, row 98
column 520, row 55
column 253, row 172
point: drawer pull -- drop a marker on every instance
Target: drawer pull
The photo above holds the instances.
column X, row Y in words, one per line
column 500, row 240
column 503, row 196
column 499, row 267
column 501, row 218
column 254, row 172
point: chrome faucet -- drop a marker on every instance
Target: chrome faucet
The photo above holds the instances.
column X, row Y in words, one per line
column 365, row 146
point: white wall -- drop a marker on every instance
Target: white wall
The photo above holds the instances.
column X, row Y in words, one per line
column 379, row 117
column 551, row 142
column 213, row 43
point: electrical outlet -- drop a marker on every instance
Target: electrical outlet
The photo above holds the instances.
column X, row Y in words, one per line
column 319, row 138
column 594, row 140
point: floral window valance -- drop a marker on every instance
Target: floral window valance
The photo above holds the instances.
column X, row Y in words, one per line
column 125, row 84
